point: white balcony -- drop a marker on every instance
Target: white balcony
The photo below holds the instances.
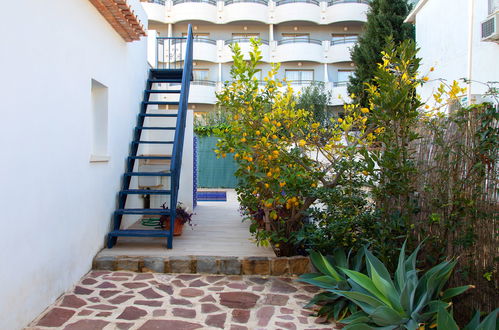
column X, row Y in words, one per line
column 155, row 9
column 297, row 10
column 194, row 10
column 339, row 93
column 298, row 49
column 245, row 45
column 204, row 49
column 346, row 11
column 246, row 10
column 202, row 92
column 339, row 50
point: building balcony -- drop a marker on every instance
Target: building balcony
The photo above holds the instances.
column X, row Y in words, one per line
column 245, row 45
column 339, row 93
column 340, row 49
column 297, row 10
column 155, row 10
column 204, row 49
column 246, row 10
column 346, row 11
column 194, row 10
column 298, row 49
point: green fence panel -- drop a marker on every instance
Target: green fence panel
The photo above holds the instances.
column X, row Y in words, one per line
column 214, row 172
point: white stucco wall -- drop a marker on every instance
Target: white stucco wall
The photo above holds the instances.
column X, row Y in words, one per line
column 443, row 39
column 56, row 206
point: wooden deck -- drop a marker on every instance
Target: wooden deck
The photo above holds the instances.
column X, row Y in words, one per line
column 218, row 231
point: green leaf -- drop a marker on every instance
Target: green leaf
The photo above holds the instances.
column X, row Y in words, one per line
column 452, row 292
column 367, row 284
column 490, row 322
column 385, row 316
column 474, row 323
column 378, row 265
column 357, row 317
column 445, row 320
column 357, row 297
column 323, row 265
column 401, row 270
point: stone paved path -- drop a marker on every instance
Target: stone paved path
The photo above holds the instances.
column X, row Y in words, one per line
column 127, row 300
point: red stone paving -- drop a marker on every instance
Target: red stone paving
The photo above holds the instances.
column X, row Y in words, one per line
column 125, row 300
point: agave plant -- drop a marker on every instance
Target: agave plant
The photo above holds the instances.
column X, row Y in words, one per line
column 445, row 321
column 405, row 301
column 332, row 277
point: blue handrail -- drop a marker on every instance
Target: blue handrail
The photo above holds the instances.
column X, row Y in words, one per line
column 178, row 144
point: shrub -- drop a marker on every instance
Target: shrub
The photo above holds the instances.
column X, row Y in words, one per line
column 284, row 157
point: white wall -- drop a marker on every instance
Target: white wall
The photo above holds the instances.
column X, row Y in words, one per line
column 56, row 206
column 443, row 39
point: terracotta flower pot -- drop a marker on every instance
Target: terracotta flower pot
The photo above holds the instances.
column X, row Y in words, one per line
column 178, row 226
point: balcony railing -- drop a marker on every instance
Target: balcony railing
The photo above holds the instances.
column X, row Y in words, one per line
column 301, row 82
column 211, row 2
column 244, row 39
column 203, row 40
column 285, row 2
column 344, row 40
column 335, row 2
column 159, row 2
column 204, row 83
column 298, row 40
column 340, row 83
column 169, row 52
column 262, row 2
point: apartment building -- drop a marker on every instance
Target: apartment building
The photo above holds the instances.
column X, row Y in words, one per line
column 310, row 38
column 462, row 43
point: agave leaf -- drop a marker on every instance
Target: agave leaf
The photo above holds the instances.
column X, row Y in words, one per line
column 358, row 326
column 422, row 301
column 410, row 263
column 445, row 320
column 375, row 263
column 401, row 269
column 474, row 323
column 357, row 317
column 367, row 284
column 426, row 281
column 323, row 265
column 385, row 316
column 340, row 258
column 325, row 282
column 452, row 292
column 387, row 289
column 366, row 302
column 338, row 309
column 432, row 308
column 358, row 260
column 408, row 291
column 490, row 322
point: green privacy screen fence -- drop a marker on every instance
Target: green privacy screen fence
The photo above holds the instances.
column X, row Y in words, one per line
column 214, row 172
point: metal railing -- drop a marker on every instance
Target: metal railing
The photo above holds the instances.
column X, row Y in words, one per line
column 285, row 2
column 178, row 145
column 299, row 40
column 262, row 2
column 335, row 2
column 340, row 83
column 203, row 82
column 344, row 40
column 301, row 82
column 244, row 39
column 159, row 2
column 211, row 2
column 169, row 52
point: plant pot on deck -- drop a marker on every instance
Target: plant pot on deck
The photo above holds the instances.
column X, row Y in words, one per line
column 178, row 225
column 182, row 217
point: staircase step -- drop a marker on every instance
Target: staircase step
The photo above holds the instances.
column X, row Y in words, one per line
column 143, row 211
column 167, row 73
column 160, row 103
column 156, row 128
column 164, row 81
column 139, row 233
column 158, row 115
column 145, row 192
column 150, row 157
column 152, row 142
column 148, row 174
column 161, row 91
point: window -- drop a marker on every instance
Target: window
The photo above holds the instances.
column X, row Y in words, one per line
column 344, row 76
column 342, row 38
column 200, row 74
column 299, row 76
column 99, row 95
column 296, row 36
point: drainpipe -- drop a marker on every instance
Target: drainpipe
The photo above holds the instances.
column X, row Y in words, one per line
column 471, row 14
column 170, row 30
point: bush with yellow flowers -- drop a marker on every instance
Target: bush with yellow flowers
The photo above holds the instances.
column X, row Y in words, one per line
column 284, row 158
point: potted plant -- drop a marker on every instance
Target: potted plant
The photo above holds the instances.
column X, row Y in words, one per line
column 182, row 217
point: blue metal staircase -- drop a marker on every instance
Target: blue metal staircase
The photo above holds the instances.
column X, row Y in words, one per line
column 168, row 71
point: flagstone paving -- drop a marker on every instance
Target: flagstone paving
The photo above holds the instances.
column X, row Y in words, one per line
column 146, row 301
